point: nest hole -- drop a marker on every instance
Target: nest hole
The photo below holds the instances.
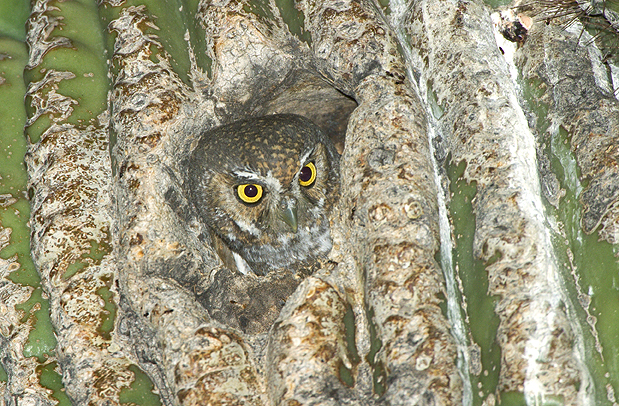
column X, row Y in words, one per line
column 308, row 94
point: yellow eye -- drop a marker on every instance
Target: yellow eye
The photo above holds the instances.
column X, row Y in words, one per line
column 249, row 193
column 307, row 175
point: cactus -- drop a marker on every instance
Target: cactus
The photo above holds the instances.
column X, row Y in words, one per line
column 475, row 241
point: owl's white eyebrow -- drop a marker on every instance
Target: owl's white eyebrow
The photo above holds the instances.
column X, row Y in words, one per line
column 307, row 155
column 244, row 174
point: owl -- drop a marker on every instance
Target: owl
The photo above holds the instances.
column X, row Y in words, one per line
column 263, row 187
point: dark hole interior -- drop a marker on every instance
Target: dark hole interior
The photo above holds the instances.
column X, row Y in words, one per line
column 309, row 95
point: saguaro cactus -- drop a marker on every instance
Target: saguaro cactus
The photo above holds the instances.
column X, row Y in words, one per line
column 474, row 241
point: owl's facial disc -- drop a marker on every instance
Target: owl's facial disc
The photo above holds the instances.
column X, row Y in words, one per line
column 264, row 188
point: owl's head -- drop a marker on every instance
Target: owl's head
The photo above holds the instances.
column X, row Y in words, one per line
column 264, row 187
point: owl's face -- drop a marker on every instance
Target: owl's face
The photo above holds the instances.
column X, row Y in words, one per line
column 264, row 186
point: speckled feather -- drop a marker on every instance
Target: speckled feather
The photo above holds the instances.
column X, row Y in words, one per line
column 269, row 151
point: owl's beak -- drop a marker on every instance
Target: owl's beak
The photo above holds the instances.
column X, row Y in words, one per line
column 289, row 214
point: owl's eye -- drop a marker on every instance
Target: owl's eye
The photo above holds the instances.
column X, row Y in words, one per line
column 249, row 193
column 307, row 175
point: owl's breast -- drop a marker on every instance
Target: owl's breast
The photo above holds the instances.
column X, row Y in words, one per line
column 288, row 250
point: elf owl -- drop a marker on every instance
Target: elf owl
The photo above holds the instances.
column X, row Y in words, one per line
column 263, row 187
